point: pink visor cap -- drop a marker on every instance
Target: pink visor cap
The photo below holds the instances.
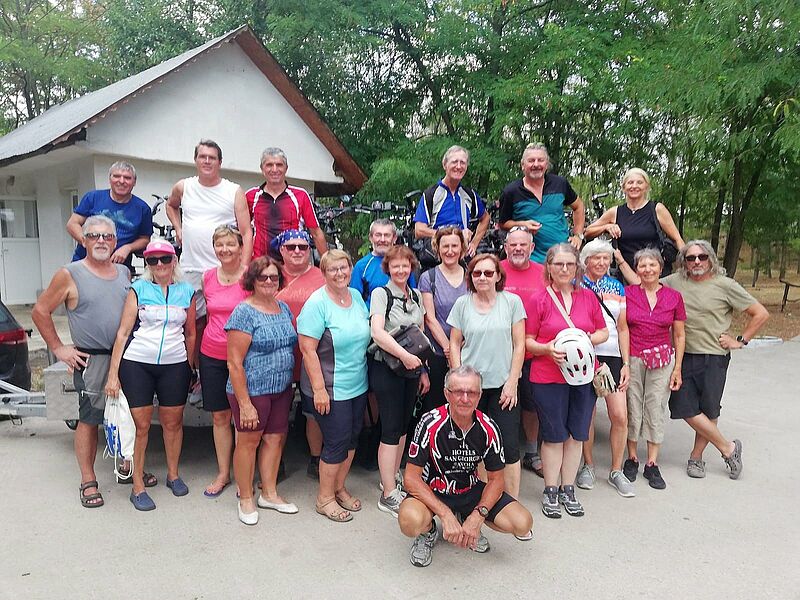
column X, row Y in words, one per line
column 159, row 247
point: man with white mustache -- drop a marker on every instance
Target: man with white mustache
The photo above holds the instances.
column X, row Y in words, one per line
column 93, row 291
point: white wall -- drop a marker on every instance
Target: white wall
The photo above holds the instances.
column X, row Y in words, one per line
column 222, row 96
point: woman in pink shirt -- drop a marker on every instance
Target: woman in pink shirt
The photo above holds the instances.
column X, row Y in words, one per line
column 656, row 316
column 222, row 293
column 565, row 411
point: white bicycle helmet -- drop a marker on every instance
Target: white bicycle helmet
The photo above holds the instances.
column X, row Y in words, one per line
column 578, row 367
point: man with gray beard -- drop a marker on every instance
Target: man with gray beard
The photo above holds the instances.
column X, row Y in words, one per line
column 93, row 291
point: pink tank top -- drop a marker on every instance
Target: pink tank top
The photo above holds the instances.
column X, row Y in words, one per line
column 220, row 302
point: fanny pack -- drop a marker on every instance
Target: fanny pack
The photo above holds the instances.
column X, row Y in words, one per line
column 658, row 356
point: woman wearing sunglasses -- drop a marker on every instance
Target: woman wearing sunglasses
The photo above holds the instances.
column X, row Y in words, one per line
column 261, row 340
column 222, row 293
column 155, row 362
column 488, row 334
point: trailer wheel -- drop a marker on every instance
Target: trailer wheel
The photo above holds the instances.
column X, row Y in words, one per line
column 72, row 424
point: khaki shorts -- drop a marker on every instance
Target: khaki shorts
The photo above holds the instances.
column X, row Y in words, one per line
column 90, row 385
column 648, row 397
column 195, row 278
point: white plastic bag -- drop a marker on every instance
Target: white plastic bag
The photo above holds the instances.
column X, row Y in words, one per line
column 120, row 431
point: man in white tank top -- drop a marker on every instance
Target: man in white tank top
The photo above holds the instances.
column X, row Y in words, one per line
column 197, row 206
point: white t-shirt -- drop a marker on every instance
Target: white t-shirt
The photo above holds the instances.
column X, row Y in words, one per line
column 204, row 209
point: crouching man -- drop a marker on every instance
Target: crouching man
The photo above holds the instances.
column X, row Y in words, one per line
column 441, row 476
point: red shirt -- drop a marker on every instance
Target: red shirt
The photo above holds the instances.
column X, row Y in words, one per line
column 545, row 321
column 524, row 283
column 651, row 328
column 295, row 292
column 292, row 209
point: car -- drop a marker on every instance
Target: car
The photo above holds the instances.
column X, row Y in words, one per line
column 15, row 367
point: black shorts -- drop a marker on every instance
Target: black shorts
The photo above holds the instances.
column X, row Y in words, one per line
column 396, row 397
column 507, row 422
column 464, row 504
column 141, row 381
column 340, row 427
column 703, row 384
column 525, row 388
column 614, row 363
column 213, row 379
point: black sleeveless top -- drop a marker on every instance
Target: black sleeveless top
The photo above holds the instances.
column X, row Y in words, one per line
column 638, row 230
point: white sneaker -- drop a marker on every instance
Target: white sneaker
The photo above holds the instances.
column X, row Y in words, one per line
column 619, row 482
column 585, row 479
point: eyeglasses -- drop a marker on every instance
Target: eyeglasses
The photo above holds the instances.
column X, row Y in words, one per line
column 488, row 273
column 563, row 265
column 334, row 270
column 96, row 236
column 264, row 278
column 696, row 257
column 293, row 247
column 467, row 393
column 154, row 260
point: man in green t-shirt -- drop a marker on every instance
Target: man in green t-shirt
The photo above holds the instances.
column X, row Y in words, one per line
column 710, row 299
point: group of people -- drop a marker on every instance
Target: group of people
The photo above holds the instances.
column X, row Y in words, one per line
column 505, row 383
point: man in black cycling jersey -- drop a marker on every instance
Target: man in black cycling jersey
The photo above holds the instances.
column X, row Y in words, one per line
column 441, row 476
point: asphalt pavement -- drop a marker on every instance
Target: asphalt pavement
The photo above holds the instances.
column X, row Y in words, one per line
column 709, row 538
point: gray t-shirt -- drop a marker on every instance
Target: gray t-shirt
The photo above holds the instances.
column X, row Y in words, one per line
column 488, row 346
column 94, row 321
column 404, row 310
column 444, row 298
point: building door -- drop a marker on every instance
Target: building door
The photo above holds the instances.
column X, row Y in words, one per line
column 20, row 267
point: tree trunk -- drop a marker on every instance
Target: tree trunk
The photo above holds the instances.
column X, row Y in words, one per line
column 768, row 263
column 784, row 258
column 718, row 210
column 757, row 260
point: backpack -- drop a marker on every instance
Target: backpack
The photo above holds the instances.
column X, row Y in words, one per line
column 428, row 194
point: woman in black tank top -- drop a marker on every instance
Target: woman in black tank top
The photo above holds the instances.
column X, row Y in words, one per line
column 633, row 224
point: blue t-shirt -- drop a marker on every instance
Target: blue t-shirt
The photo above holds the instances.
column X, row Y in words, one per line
column 133, row 218
column 269, row 361
column 343, row 335
column 447, row 207
column 367, row 274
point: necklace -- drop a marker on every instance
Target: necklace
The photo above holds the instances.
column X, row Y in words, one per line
column 454, row 436
column 633, row 210
column 226, row 279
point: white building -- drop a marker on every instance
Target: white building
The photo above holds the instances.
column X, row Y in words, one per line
column 231, row 90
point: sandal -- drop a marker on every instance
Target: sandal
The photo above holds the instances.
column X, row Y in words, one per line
column 90, row 500
column 150, row 480
column 347, row 501
column 337, row 516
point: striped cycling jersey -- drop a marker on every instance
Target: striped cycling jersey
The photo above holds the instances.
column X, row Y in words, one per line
column 448, row 456
column 157, row 337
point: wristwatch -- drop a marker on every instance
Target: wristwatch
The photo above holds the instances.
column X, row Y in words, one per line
column 581, row 236
column 482, row 511
column 741, row 339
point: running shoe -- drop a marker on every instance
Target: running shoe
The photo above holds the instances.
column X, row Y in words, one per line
column 696, row 469
column 422, row 547
column 734, row 461
column 653, row 475
column 585, row 479
column 566, row 496
column 630, row 468
column 550, row 506
column 619, row 482
column 533, row 462
column 482, row 545
column 391, row 503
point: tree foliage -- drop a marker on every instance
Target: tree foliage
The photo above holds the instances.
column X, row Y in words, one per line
column 703, row 94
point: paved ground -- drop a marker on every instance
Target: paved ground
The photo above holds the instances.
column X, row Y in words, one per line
column 711, row 538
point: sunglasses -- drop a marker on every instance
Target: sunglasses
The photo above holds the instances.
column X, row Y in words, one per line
column 293, row 247
column 264, row 278
column 96, row 236
column 696, row 257
column 154, row 260
column 488, row 273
